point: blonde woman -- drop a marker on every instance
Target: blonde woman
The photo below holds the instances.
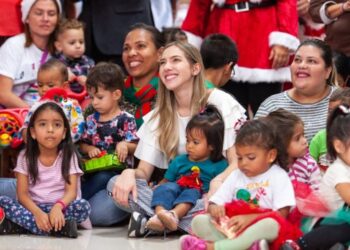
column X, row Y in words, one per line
column 181, row 94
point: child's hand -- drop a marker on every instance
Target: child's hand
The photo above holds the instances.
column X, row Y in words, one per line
column 216, row 211
column 239, row 222
column 94, row 152
column 279, row 56
column 57, row 217
column 42, row 221
column 81, row 80
column 122, row 151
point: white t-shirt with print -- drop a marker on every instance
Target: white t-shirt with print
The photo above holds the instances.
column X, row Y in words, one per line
column 148, row 148
column 21, row 64
column 272, row 189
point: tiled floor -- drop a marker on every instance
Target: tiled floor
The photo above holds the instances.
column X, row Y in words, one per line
column 97, row 239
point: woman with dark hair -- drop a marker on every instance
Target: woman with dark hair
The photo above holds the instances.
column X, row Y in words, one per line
column 141, row 51
column 313, row 75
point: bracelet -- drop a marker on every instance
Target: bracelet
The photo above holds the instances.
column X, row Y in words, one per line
column 62, row 204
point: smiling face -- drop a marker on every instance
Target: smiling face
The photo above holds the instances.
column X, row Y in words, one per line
column 42, row 18
column 140, row 55
column 71, row 43
column 175, row 71
column 308, row 69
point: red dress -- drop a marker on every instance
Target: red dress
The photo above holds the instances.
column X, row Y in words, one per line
column 254, row 32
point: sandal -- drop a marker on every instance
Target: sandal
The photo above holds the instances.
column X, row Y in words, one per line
column 169, row 219
column 155, row 224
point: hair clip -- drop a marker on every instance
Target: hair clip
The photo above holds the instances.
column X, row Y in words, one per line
column 344, row 109
column 238, row 124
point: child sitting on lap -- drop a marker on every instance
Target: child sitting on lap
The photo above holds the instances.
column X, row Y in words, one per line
column 189, row 175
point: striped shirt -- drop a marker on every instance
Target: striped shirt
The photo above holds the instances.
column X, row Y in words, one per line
column 50, row 185
column 313, row 115
column 305, row 170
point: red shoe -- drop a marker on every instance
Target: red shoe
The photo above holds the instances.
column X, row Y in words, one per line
column 2, row 215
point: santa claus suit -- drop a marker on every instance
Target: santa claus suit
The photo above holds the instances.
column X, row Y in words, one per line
column 255, row 30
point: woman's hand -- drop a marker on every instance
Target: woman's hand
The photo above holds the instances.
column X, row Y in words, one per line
column 239, row 222
column 303, row 7
column 42, row 221
column 279, row 56
column 122, row 151
column 94, row 152
column 57, row 217
column 346, row 6
column 123, row 186
column 216, row 211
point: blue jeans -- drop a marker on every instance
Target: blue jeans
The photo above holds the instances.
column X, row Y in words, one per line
column 8, row 187
column 103, row 210
column 91, row 184
column 169, row 194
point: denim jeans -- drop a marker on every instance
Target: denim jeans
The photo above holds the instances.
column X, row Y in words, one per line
column 91, row 184
column 169, row 194
column 8, row 187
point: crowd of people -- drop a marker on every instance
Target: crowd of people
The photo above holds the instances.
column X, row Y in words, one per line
column 236, row 136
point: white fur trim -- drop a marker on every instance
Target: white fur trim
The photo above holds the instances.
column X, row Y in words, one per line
column 194, row 39
column 219, row 2
column 26, row 5
column 323, row 14
column 316, row 26
column 285, row 39
column 261, row 75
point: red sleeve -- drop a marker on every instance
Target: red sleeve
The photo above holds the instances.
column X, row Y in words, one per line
column 197, row 17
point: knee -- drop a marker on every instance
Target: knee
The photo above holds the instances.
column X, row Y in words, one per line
column 199, row 221
column 111, row 183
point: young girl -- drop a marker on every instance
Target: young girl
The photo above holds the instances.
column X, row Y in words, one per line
column 334, row 187
column 109, row 128
column 189, row 175
column 48, row 177
column 293, row 147
column 260, row 184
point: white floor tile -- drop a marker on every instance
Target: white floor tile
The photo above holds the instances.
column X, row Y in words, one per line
column 97, row 239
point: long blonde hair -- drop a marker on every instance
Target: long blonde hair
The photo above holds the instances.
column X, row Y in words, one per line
column 165, row 109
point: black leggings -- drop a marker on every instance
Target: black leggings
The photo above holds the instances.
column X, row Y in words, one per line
column 325, row 236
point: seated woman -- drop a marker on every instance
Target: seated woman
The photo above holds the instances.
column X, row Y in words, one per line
column 22, row 55
column 141, row 51
column 181, row 94
column 312, row 76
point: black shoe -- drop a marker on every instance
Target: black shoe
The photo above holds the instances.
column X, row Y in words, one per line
column 137, row 225
column 9, row 227
column 70, row 230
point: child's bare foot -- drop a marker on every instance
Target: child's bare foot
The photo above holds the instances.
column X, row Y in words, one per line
column 155, row 224
column 169, row 219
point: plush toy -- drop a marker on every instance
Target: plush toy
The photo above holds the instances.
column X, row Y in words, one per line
column 192, row 180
